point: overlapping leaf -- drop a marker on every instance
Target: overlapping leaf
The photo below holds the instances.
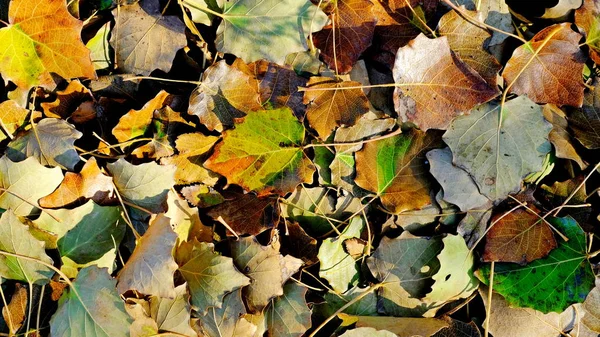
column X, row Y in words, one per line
column 263, row 153
column 548, row 68
column 498, row 155
column 434, row 85
column 247, row 213
column 348, row 35
column 585, row 121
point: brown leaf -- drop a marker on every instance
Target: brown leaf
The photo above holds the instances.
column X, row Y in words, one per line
column 467, row 41
column 520, row 237
column 295, row 242
column 351, row 31
column 334, row 106
column 76, row 188
column 434, row 85
column 136, row 122
column 278, row 86
column 586, row 19
column 68, row 100
column 354, row 247
column 188, row 162
column 395, row 169
column 226, row 93
column 548, row 69
column 15, row 312
column 585, row 121
column 559, row 135
column 557, row 193
column 396, row 21
column 247, row 213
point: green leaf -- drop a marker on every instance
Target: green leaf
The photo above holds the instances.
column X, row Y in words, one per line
column 499, row 156
column 149, row 270
column 262, row 264
column 227, row 321
column 263, row 153
column 173, row 314
column 25, row 182
column 145, row 185
column 92, row 231
column 289, row 315
column 91, row 308
column 366, row 306
column 405, row 264
column 209, row 276
column 266, row 29
column 550, row 284
column 16, row 238
column 337, row 266
column 454, row 279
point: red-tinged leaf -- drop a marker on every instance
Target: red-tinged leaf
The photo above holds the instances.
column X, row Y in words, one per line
column 247, row 213
column 351, row 31
column 521, row 236
column 434, row 86
column 548, row 68
column 397, row 24
column 76, row 188
column 330, row 105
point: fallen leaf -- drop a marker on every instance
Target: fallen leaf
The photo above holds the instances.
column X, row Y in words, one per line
column 173, row 315
column 568, row 192
column 549, row 284
column 509, row 321
column 227, row 321
column 202, row 196
column 587, row 20
column 136, row 122
column 496, row 155
column 295, row 242
column 247, row 213
column 42, row 38
column 185, row 220
column 99, row 48
column 262, row 264
column 15, row 312
column 91, row 306
column 76, row 188
column 263, row 153
column 150, row 268
column 560, row 136
column 16, row 238
column 146, row 39
column 401, row 326
column 397, row 24
column 359, row 332
column 329, row 105
column 25, row 182
column 520, row 236
column 458, row 328
column 348, row 35
column 337, row 266
column 394, row 168
column 590, row 322
column 145, row 185
column 459, row 188
column 12, row 116
column 242, row 30
column 67, row 100
column 434, row 86
column 548, row 68
column 468, row 41
column 51, row 141
column 405, row 264
column 365, row 306
column 209, row 276
column 289, row 314
column 225, row 95
column 188, row 162
column 585, row 121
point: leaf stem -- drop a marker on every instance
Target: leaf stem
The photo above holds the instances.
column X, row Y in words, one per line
column 204, row 9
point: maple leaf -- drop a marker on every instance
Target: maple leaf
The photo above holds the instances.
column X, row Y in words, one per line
column 350, row 33
column 40, row 39
column 330, row 105
column 548, row 68
column 263, row 153
column 434, row 86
